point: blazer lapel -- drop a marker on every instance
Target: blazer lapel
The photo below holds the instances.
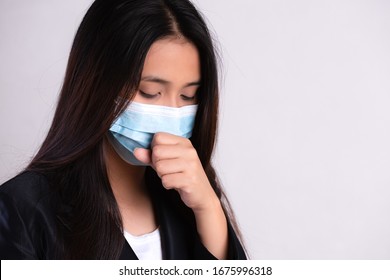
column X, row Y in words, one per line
column 127, row 252
column 173, row 239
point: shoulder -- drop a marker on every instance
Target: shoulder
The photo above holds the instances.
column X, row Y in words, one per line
column 27, row 224
column 25, row 186
column 28, row 194
column 26, row 190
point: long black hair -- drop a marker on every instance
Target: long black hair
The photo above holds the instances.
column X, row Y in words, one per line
column 106, row 61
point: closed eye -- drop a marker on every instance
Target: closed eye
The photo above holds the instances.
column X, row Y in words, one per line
column 188, row 98
column 148, row 95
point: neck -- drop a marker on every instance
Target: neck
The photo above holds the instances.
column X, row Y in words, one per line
column 126, row 180
column 128, row 185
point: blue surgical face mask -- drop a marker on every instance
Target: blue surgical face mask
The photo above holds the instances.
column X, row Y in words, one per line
column 136, row 126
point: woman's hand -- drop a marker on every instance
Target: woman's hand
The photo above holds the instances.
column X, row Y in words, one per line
column 177, row 164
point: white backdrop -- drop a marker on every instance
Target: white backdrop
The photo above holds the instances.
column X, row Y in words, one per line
column 304, row 136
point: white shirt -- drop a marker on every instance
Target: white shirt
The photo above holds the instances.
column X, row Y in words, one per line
column 147, row 246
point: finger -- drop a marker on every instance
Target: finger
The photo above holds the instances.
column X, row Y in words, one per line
column 163, row 138
column 169, row 166
column 143, row 155
column 161, row 152
column 173, row 181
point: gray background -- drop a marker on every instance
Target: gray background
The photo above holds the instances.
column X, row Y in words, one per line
column 304, row 136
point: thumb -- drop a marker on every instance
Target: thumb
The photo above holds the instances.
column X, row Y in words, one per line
column 143, row 155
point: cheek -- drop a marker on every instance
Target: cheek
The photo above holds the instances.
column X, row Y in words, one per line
column 138, row 98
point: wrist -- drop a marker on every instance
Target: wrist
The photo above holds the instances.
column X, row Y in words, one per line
column 212, row 206
column 212, row 228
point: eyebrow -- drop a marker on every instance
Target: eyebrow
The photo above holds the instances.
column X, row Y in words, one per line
column 158, row 80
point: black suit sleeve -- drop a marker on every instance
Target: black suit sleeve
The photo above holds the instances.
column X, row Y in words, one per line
column 235, row 250
column 27, row 219
column 15, row 241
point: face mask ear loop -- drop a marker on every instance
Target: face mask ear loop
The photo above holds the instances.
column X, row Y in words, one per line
column 118, row 110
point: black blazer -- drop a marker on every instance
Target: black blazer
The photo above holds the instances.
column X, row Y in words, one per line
column 28, row 224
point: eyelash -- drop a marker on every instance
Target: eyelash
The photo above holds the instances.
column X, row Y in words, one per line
column 148, row 95
column 187, row 98
column 151, row 96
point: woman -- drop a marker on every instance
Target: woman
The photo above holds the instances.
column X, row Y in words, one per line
column 117, row 176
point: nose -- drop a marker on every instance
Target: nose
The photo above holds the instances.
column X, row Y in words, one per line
column 171, row 100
